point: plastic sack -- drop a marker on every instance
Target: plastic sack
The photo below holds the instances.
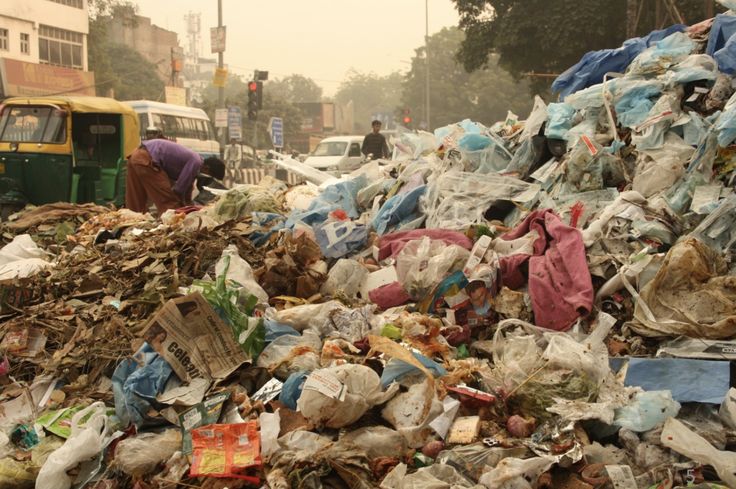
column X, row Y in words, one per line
column 648, row 410
column 634, row 104
column 514, row 473
column 584, row 168
column 339, row 196
column 398, row 210
column 377, row 441
column 695, row 68
column 289, row 354
column 240, row 272
column 140, row 455
column 493, row 158
column 84, row 443
column 270, row 425
column 411, row 413
column 472, row 459
column 346, row 277
column 536, row 118
column 659, row 169
column 474, row 142
column 676, row 436
column 559, row 120
column 309, row 316
column 340, row 238
column 339, row 396
column 423, row 264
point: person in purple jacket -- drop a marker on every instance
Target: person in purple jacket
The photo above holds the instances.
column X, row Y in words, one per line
column 163, row 172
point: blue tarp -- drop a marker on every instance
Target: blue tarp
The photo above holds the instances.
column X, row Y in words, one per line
column 339, row 238
column 397, row 210
column 595, row 64
column 722, row 43
column 341, row 195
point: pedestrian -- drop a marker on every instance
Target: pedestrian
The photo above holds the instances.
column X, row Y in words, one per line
column 374, row 143
column 233, row 155
column 163, row 172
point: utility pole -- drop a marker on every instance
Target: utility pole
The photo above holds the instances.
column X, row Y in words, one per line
column 220, row 64
column 426, row 59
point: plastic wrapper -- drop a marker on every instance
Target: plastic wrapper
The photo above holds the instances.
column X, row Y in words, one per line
column 141, row 454
column 240, row 272
column 411, row 413
column 559, row 120
column 338, row 396
column 22, row 475
column 471, row 460
column 514, row 473
column 226, row 450
column 665, row 53
column 659, row 169
column 436, row 476
column 22, row 258
column 422, row 264
column 377, row 441
column 727, row 411
column 244, row 199
column 312, row 316
column 84, row 443
column 289, row 354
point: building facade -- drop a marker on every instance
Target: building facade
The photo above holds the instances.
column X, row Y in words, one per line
column 43, row 47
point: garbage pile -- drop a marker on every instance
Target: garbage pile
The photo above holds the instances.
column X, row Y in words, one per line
column 544, row 303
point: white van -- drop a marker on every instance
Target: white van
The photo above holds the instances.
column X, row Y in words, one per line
column 337, row 154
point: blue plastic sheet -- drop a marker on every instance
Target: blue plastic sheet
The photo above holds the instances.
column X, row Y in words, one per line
column 341, row 195
column 396, row 369
column 474, row 142
column 135, row 389
column 725, row 127
column 339, row 238
column 269, row 222
column 292, row 389
column 722, row 43
column 689, row 380
column 274, row 330
column 666, row 52
column 397, row 210
column 559, row 120
column 649, row 409
column 591, row 69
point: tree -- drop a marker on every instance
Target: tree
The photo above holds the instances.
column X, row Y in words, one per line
column 295, row 89
column 484, row 96
column 370, row 93
column 135, row 76
column 551, row 35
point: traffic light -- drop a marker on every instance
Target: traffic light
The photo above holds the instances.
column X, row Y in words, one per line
column 255, row 99
column 407, row 117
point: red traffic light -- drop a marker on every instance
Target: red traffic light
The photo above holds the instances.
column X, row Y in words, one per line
column 253, row 86
column 407, row 120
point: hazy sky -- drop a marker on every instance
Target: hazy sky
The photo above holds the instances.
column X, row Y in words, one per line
column 321, row 39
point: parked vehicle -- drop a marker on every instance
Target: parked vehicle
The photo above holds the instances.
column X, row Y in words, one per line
column 188, row 126
column 337, row 154
column 69, row 149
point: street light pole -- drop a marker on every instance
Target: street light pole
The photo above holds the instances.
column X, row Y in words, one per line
column 426, row 59
column 220, row 58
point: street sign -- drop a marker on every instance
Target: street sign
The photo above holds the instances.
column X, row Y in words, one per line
column 276, row 128
column 220, row 117
column 220, row 77
column 175, row 95
column 217, row 39
column 234, row 123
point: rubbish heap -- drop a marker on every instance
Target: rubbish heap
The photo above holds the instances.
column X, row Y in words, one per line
column 544, row 303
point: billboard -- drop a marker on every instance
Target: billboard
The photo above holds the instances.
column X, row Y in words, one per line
column 20, row 78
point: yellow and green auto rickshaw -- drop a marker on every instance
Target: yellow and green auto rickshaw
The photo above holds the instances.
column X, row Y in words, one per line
column 68, row 149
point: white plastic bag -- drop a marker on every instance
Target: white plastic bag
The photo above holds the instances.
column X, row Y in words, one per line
column 240, row 271
column 141, row 454
column 515, row 473
column 377, row 441
column 681, row 439
column 289, row 354
column 648, row 410
column 22, row 258
column 84, row 443
column 727, row 412
column 422, row 264
column 346, row 277
column 339, row 396
column 411, row 413
column 312, row 316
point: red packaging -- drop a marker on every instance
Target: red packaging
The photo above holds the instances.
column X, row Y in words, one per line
column 226, row 450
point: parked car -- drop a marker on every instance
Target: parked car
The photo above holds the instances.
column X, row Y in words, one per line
column 337, row 154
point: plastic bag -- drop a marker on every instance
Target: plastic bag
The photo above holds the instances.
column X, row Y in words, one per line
column 141, row 454
column 423, row 264
column 270, row 424
column 435, row 476
column 536, row 118
column 665, row 53
column 240, row 272
column 514, row 473
column 346, row 277
column 411, row 413
column 727, row 411
column 310, row 316
column 289, row 354
column 679, row 438
column 22, row 258
column 377, row 441
column 648, row 410
column 339, row 396
column 659, row 169
column 559, row 120
column 584, row 168
column 84, row 443
column 340, row 238
column 472, row 459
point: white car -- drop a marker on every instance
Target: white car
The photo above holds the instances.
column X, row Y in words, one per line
column 337, row 154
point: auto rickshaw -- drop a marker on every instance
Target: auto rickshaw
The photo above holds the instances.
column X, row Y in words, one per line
column 68, row 149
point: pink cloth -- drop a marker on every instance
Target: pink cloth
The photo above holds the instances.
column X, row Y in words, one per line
column 391, row 244
column 560, row 286
column 389, row 295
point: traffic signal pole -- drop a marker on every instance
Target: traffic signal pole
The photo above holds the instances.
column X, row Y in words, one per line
column 220, row 64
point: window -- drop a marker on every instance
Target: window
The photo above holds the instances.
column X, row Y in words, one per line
column 25, row 43
column 70, row 3
column 33, row 124
column 3, row 40
column 60, row 47
column 355, row 150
